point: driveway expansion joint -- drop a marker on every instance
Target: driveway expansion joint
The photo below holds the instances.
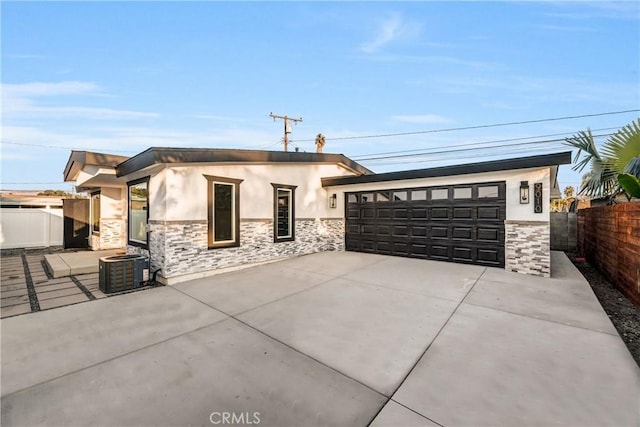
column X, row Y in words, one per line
column 288, row 345
column 613, row 334
column 427, row 349
column 93, row 365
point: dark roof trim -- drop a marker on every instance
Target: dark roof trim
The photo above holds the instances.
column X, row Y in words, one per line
column 491, row 166
column 78, row 159
column 157, row 155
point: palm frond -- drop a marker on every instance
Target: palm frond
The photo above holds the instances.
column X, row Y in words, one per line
column 583, row 141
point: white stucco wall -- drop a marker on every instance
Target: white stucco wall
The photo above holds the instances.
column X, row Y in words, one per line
column 180, row 192
column 112, row 202
column 515, row 211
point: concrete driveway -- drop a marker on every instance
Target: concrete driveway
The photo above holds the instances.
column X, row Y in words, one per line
column 344, row 339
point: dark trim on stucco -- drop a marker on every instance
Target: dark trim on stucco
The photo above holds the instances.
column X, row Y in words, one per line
column 292, row 224
column 78, row 159
column 211, row 180
column 491, row 166
column 161, row 155
column 129, row 184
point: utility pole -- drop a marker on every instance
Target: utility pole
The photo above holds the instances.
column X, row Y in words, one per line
column 287, row 127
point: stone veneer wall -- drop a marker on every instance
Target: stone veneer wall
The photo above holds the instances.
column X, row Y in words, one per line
column 112, row 234
column 527, row 247
column 180, row 247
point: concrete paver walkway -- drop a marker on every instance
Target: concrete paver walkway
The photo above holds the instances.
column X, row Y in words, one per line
column 328, row 339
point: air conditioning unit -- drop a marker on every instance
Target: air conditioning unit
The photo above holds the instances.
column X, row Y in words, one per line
column 121, row 273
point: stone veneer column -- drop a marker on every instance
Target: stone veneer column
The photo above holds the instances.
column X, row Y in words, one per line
column 111, row 230
column 180, row 247
column 527, row 247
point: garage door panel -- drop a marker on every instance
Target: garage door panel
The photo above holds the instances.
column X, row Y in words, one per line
column 439, row 213
column 400, row 213
column 462, row 213
column 489, row 255
column 400, row 248
column 465, row 233
column 440, row 252
column 489, row 212
column 419, row 213
column 401, row 231
column 440, row 232
column 452, row 223
column 462, row 253
column 489, row 234
column 418, row 231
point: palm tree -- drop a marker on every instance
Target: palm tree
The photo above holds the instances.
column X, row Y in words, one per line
column 620, row 155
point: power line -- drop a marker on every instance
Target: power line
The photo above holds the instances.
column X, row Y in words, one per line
column 4, row 141
column 454, row 150
column 421, row 132
column 475, row 143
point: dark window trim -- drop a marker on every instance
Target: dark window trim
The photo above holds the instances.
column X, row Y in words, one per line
column 93, row 231
column 236, row 195
column 291, row 188
column 129, row 184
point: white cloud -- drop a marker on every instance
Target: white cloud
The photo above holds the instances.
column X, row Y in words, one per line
column 421, row 119
column 391, row 29
column 37, row 89
column 21, row 101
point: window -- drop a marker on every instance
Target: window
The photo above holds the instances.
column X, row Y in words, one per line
column 382, row 197
column 366, row 198
column 138, row 202
column 95, row 213
column 462, row 193
column 419, row 195
column 284, row 213
column 399, row 196
column 439, row 194
column 487, row 192
column 223, row 212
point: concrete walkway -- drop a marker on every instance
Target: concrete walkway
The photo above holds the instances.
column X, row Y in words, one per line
column 342, row 339
column 73, row 263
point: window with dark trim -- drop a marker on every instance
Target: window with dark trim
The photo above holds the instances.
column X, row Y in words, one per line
column 138, row 207
column 284, row 213
column 223, row 212
column 95, row 212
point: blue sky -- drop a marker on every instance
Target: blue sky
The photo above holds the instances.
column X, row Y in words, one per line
column 120, row 77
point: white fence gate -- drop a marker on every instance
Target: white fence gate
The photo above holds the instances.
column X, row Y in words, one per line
column 31, row 228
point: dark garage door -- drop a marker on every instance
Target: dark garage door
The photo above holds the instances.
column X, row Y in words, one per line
column 460, row 223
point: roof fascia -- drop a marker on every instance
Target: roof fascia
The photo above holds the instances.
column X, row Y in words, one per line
column 464, row 169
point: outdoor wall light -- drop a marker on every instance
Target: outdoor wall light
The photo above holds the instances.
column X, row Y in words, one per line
column 524, row 192
column 333, row 201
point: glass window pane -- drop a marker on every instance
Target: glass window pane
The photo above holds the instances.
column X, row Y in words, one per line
column 352, row 198
column 223, row 212
column 399, row 196
column 138, row 207
column 366, row 197
column 284, row 213
column 95, row 212
column 488, row 191
column 419, row 195
column 439, row 194
column 462, row 193
column 383, row 197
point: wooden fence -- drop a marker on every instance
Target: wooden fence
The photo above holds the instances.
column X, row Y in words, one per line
column 609, row 238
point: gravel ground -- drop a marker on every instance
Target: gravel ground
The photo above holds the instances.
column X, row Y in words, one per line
column 624, row 315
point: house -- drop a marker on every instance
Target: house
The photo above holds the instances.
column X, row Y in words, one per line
column 193, row 211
